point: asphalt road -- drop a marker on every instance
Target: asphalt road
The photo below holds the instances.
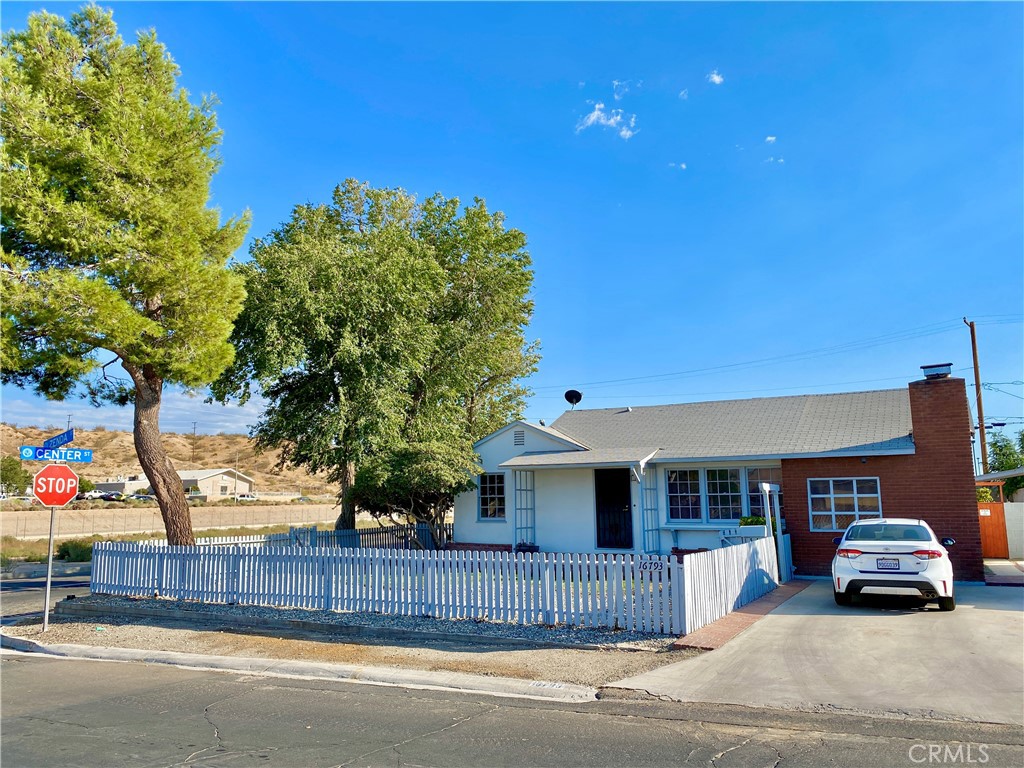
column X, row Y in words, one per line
column 87, row 713
column 22, row 598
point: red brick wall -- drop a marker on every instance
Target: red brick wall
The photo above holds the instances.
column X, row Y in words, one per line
column 935, row 484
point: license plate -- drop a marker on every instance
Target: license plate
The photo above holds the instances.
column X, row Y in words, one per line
column 888, row 564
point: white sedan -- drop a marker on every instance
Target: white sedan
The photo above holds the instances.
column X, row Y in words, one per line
column 893, row 556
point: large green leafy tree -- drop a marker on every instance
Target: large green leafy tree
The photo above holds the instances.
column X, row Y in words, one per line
column 388, row 335
column 111, row 253
column 1005, row 453
column 14, row 478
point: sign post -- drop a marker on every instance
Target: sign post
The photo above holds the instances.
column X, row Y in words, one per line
column 55, row 485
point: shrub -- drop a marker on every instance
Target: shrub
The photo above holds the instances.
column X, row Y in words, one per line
column 75, row 551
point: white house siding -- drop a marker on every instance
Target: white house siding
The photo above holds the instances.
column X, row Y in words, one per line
column 566, row 514
column 500, row 448
column 567, row 511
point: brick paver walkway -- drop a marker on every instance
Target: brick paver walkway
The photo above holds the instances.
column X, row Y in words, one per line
column 718, row 633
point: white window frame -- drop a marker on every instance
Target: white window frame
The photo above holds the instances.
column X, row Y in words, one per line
column 702, row 507
column 872, row 514
column 481, row 518
column 705, row 522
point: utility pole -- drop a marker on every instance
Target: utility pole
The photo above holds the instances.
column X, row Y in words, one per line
column 977, row 388
column 194, row 442
column 69, row 421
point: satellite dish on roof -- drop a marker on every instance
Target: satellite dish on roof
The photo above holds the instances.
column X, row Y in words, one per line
column 573, row 396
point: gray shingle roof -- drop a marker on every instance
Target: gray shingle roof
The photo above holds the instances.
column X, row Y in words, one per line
column 852, row 423
column 622, row 456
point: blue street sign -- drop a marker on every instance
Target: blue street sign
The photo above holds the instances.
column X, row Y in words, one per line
column 58, row 440
column 72, row 455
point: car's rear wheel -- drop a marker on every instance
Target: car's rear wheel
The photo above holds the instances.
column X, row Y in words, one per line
column 842, row 598
column 947, row 603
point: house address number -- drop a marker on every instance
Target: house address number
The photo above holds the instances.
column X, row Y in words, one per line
column 652, row 565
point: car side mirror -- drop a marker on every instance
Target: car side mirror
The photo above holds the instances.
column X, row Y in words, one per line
column 947, row 542
column 837, row 539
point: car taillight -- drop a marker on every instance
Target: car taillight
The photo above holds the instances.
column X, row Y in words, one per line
column 849, row 553
column 928, row 554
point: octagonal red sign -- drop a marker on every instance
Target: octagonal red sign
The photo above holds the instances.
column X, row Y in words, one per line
column 55, row 485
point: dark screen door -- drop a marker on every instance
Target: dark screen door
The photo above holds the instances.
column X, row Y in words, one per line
column 614, row 516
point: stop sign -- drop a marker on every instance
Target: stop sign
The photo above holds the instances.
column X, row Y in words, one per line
column 55, row 485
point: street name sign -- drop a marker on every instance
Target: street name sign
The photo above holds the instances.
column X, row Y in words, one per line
column 72, row 455
column 58, row 440
column 55, row 485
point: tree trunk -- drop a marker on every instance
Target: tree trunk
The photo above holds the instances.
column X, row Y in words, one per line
column 347, row 519
column 167, row 486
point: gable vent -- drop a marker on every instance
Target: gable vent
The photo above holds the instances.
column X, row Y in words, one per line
column 519, row 437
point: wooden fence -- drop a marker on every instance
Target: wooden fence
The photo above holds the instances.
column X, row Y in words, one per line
column 647, row 593
column 625, row 591
column 722, row 580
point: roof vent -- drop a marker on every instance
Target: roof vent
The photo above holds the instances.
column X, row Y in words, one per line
column 519, row 437
column 937, row 370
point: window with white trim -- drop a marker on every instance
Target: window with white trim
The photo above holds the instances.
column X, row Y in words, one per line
column 683, row 494
column 756, row 476
column 492, row 496
column 836, row 502
column 725, row 494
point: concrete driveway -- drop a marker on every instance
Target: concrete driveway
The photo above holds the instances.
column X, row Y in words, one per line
column 879, row 656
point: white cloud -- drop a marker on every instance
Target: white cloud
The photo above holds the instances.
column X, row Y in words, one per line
column 684, row 94
column 776, row 160
column 770, row 139
column 680, row 166
column 624, row 125
column 620, row 88
column 628, row 131
column 715, row 78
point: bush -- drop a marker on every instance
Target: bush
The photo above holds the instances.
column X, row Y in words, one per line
column 75, row 551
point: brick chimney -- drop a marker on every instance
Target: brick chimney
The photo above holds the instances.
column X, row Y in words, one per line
column 943, row 470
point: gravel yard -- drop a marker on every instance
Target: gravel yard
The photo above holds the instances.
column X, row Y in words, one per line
column 621, row 654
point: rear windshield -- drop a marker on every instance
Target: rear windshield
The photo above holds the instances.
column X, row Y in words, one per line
column 893, row 532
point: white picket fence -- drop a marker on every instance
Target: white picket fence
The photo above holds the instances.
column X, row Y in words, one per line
column 722, row 580
column 625, row 591
column 646, row 593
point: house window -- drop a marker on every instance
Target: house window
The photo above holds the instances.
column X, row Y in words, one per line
column 754, row 479
column 725, row 494
column 223, row 490
column 492, row 496
column 836, row 502
column 683, row 494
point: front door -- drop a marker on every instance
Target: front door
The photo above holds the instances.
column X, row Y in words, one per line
column 614, row 514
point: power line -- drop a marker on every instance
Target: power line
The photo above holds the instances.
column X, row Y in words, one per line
column 868, row 343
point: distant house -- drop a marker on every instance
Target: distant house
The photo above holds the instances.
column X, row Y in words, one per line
column 657, row 478
column 209, row 484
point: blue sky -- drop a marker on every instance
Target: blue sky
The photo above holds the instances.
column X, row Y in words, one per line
column 823, row 188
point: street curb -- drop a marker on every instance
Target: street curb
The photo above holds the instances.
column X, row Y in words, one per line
column 71, row 608
column 401, row 678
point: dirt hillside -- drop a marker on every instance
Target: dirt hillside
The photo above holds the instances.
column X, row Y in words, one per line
column 114, row 455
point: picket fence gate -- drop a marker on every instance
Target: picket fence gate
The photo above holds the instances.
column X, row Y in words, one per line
column 634, row 592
